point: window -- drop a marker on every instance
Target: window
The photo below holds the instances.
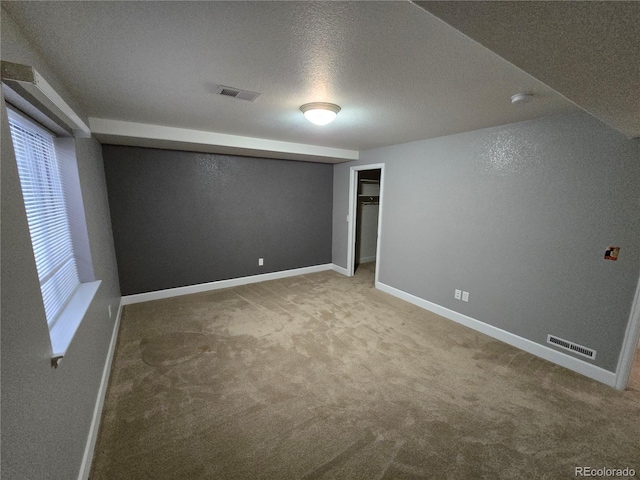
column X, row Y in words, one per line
column 48, row 189
column 44, row 200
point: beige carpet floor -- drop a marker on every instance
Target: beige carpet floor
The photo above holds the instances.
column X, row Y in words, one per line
column 323, row 377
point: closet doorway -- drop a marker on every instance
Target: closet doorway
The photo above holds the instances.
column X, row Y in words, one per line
column 365, row 216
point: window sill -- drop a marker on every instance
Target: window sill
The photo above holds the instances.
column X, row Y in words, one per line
column 67, row 325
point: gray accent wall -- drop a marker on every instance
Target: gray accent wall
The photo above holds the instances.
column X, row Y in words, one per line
column 46, row 413
column 520, row 217
column 184, row 218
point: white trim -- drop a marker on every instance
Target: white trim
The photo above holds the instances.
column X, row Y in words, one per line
column 629, row 344
column 233, row 282
column 339, row 269
column 117, row 131
column 352, row 214
column 27, row 83
column 67, row 324
column 380, row 217
column 87, row 458
column 559, row 358
column 57, row 103
column 351, row 220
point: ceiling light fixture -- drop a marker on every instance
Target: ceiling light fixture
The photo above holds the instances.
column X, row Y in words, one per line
column 521, row 98
column 320, row 113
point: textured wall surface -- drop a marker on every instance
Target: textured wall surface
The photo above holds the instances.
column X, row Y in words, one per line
column 367, row 221
column 46, row 413
column 182, row 218
column 520, row 217
column 366, row 232
column 373, row 58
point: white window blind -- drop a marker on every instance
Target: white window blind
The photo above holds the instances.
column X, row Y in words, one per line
column 43, row 191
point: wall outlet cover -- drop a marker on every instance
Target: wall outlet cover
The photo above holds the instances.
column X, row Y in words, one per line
column 260, row 262
column 458, row 294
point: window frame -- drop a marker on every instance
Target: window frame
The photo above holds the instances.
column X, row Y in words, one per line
column 64, row 324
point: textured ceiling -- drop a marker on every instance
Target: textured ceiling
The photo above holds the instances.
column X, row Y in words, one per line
column 399, row 73
column 588, row 51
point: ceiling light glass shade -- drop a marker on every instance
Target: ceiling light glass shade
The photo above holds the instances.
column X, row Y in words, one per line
column 320, row 113
column 521, row 98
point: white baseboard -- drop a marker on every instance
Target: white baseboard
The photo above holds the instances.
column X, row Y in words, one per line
column 339, row 269
column 542, row 351
column 233, row 282
column 87, row 458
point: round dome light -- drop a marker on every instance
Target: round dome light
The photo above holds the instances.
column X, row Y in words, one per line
column 521, row 98
column 320, row 113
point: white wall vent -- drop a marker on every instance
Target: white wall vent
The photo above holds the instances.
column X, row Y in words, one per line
column 572, row 347
column 237, row 93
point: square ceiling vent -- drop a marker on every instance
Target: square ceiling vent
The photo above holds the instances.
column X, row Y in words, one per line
column 237, row 93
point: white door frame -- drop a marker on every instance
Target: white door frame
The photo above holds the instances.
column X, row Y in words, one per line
column 629, row 344
column 352, row 216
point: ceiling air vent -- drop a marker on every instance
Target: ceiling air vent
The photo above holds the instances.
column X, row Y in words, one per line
column 572, row 347
column 237, row 93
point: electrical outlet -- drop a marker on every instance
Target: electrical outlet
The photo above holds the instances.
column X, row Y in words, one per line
column 260, row 262
column 465, row 296
column 458, row 294
column 109, row 310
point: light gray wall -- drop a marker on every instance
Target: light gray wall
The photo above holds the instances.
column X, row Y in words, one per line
column 366, row 232
column 183, row 218
column 367, row 221
column 46, row 413
column 520, row 217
